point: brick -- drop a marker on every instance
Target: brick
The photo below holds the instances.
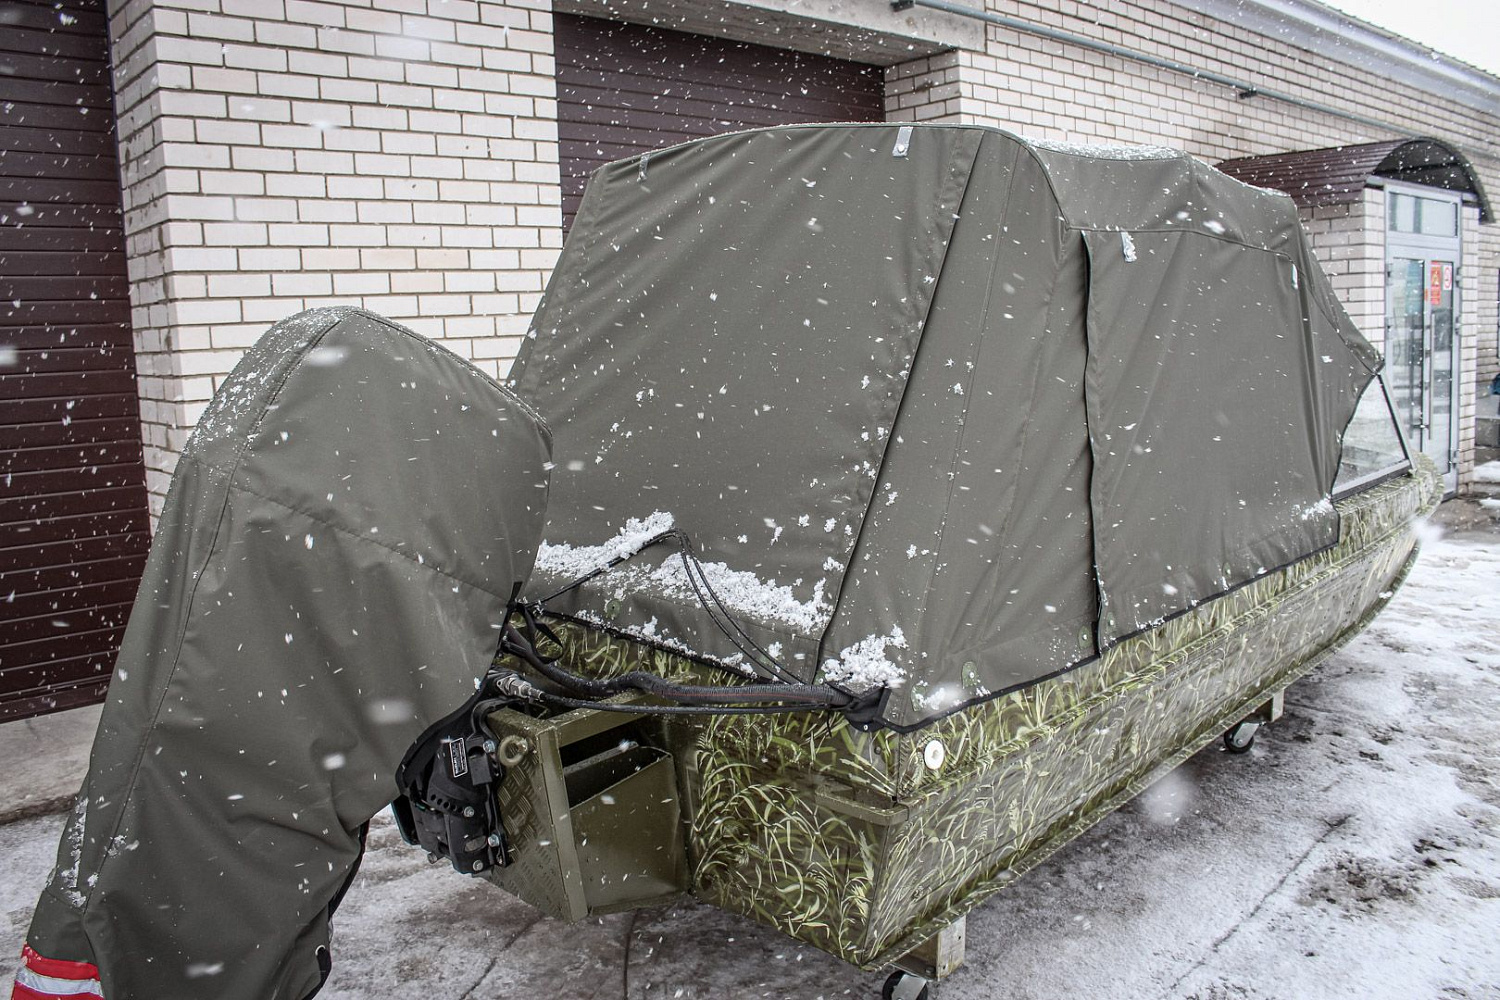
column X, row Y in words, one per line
column 431, row 75
column 325, row 210
column 416, row 282
column 405, row 96
column 436, row 166
column 377, row 69
column 292, row 136
column 200, row 259
column 230, row 182
column 388, row 258
column 358, row 235
column 203, row 311
column 302, row 284
column 199, row 207
column 361, row 283
column 287, row 85
column 412, row 143
column 231, row 132
column 266, row 209
column 384, row 212
column 238, row 285
column 190, row 105
column 396, row 47
column 260, row 109
column 348, row 91
column 332, row 258
column 231, row 81
column 320, row 14
column 382, row 164
column 351, row 140
column 438, row 213
column 350, row 42
column 287, row 36
column 261, row 158
column 195, row 155
column 318, row 64
column 416, row 189
column 383, row 22
column 296, row 185
column 227, row 28
column 270, row 259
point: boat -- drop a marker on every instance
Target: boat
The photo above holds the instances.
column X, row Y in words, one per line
column 1063, row 462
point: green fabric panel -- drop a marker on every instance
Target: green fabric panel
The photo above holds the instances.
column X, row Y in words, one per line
column 338, row 546
column 1204, row 421
column 727, row 339
column 979, row 545
column 1344, row 362
column 1136, row 188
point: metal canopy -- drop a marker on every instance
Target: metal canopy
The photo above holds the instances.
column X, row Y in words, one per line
column 1338, row 174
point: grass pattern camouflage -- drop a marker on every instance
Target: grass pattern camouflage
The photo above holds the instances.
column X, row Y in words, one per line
column 850, row 842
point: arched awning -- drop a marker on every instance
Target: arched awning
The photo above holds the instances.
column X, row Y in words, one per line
column 1338, row 174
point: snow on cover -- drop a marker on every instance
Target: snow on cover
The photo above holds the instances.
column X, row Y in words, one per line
column 1105, row 151
column 577, row 560
column 741, row 592
column 864, row 665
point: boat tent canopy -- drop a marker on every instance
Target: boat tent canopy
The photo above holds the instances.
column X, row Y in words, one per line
column 942, row 409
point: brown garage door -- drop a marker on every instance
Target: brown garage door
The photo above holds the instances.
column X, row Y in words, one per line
column 73, row 524
column 623, row 89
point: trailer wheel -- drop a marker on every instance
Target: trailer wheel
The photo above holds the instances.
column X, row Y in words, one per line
column 905, row 986
column 1241, row 737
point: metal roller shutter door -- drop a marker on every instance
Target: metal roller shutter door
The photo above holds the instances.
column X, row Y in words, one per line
column 73, row 512
column 623, row 89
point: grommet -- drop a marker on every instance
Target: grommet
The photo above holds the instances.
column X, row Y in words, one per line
column 933, row 754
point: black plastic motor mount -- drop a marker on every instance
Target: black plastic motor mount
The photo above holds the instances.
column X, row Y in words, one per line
column 447, row 802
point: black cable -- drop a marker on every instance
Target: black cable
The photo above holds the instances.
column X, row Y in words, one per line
column 782, row 686
column 738, row 638
column 638, row 680
column 563, row 701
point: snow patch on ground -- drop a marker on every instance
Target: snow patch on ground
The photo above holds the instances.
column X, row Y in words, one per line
column 1489, row 472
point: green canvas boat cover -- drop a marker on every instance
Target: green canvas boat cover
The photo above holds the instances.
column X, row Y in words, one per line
column 338, row 547
column 942, row 409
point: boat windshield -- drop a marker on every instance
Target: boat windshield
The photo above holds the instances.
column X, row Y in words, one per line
column 1373, row 448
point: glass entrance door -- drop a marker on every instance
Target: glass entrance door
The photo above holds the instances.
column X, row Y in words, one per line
column 1441, row 412
column 1406, row 345
column 1422, row 243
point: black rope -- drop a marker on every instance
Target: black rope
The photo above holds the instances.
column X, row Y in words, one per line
column 783, row 688
column 693, row 569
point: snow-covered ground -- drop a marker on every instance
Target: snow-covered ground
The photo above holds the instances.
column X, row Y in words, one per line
column 1355, row 852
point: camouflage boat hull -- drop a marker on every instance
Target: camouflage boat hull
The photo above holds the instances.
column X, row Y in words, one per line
column 865, row 845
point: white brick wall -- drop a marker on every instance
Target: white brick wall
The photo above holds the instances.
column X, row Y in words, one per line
column 284, row 154
column 402, row 154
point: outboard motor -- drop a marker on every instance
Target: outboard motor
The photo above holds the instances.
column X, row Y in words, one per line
column 342, row 535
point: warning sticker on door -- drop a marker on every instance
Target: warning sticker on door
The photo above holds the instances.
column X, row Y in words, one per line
column 1447, row 277
column 1435, row 283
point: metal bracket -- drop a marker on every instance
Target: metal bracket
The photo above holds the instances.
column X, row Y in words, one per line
column 1271, row 710
column 940, row 955
column 903, row 141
